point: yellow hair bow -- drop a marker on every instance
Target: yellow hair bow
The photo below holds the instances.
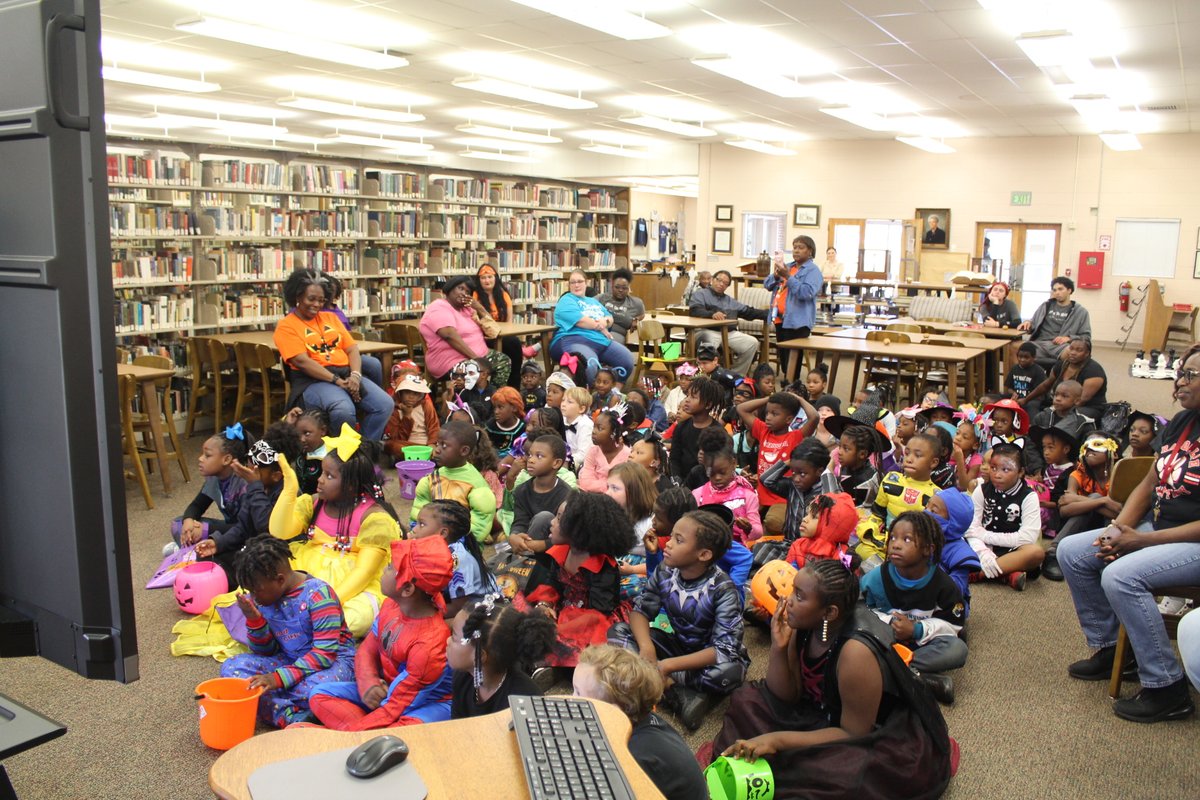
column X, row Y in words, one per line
column 345, row 444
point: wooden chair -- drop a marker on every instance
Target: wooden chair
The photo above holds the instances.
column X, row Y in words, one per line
column 259, row 377
column 127, row 388
column 908, row 327
column 212, row 375
column 966, row 335
column 881, row 366
column 147, row 451
column 651, row 335
column 1183, row 323
column 403, row 333
column 938, row 373
column 1171, row 621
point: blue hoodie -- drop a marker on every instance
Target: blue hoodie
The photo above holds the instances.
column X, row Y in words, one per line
column 958, row 559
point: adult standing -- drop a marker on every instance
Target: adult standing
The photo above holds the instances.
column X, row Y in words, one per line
column 1077, row 365
column 326, row 367
column 625, row 309
column 996, row 310
column 831, row 270
column 583, row 330
column 496, row 302
column 796, row 286
column 1114, row 573
column 452, row 328
column 1057, row 321
column 713, row 303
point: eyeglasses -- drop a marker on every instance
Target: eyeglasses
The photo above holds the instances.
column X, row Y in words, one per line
column 1187, row 375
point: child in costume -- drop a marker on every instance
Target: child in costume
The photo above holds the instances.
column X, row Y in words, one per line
column 414, row 419
column 907, row 490
column 633, row 489
column 700, row 409
column 606, row 394
column 954, row 510
column 858, row 440
column 556, row 388
column 669, row 509
column 906, row 427
column 312, row 425
column 745, row 447
column 532, row 393
column 673, row 402
column 651, row 454
column 298, row 636
column 1085, row 505
column 1007, row 522
column 222, row 485
column 506, row 422
column 725, row 487
column 454, row 478
column 703, row 655
column 607, row 451
column 451, row 522
column 776, row 441
column 400, row 671
column 578, row 425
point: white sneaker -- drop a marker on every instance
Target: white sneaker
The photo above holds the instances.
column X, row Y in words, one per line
column 170, row 548
column 1172, row 606
column 1140, row 368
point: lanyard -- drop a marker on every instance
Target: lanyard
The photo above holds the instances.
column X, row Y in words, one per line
column 1169, row 461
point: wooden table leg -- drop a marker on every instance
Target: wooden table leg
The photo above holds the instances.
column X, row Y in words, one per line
column 153, row 410
column 726, row 356
column 857, row 371
column 793, row 363
column 952, row 382
column 546, row 352
column 834, row 360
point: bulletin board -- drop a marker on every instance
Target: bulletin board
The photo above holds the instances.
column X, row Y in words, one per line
column 1146, row 248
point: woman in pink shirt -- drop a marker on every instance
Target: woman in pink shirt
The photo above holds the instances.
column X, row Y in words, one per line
column 451, row 328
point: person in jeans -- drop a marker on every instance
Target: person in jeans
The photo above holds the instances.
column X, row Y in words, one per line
column 795, row 287
column 713, row 303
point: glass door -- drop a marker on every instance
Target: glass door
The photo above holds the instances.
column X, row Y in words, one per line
column 1028, row 257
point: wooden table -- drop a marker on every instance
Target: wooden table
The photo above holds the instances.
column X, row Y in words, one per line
column 838, row 346
column 544, row 331
column 692, row 324
column 993, row 349
column 467, row 759
column 146, row 376
column 948, row 288
column 385, row 350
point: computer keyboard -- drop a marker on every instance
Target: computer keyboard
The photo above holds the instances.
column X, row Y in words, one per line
column 564, row 750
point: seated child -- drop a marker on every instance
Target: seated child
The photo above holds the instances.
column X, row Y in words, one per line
column 817, row 380
column 617, row 676
column 1009, row 422
column 710, row 367
column 967, row 459
column 670, row 506
column 921, row 603
column 1025, row 376
column 608, row 449
column 858, row 440
column 556, row 388
column 454, row 478
column 576, row 582
column 945, row 474
column 906, row 428
column 1062, row 411
column 1061, row 451
column 776, row 440
column 578, row 424
column 700, row 409
column 703, row 654
column 827, row 406
column 471, row 579
column 651, row 454
column 808, row 478
column 1085, row 505
column 1142, row 432
column 264, row 482
column 222, row 485
column 745, row 447
column 532, row 393
column 633, row 489
column 506, row 422
column 673, row 402
column 900, row 491
column 954, row 511
column 1007, row 522
column 414, row 420
column 648, row 400
column 492, row 650
column 543, row 493
column 298, row 637
column 725, row 487
column 606, row 394
column 476, row 378
column 400, row 672
column 312, row 425
column 712, row 440
column 764, row 380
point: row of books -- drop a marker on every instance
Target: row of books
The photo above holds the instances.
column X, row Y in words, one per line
column 552, row 228
column 398, row 261
column 239, row 174
column 324, row 178
column 163, row 169
column 137, row 220
column 167, row 267
column 398, row 184
column 272, row 263
column 149, row 313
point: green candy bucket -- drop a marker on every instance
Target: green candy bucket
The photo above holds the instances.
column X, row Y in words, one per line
column 735, row 779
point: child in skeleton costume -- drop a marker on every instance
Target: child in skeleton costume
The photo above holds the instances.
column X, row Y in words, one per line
column 1007, row 522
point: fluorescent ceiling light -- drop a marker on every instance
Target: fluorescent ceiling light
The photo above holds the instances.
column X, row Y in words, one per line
column 494, row 144
column 671, row 107
column 614, row 150
column 380, row 128
column 525, row 71
column 759, row 48
column 760, row 131
column 355, row 91
column 395, row 145
column 290, row 42
column 167, row 121
column 153, row 79
column 860, row 117
column 1121, row 141
column 220, row 107
column 1056, row 49
column 506, row 133
column 926, row 144
column 754, row 75
column 760, row 147
column 488, row 156
column 879, row 99
column 520, row 92
column 668, row 126
column 1095, row 23
column 677, row 191
column 614, row 137
column 337, row 23
column 926, row 126
column 604, row 18
column 508, row 118
column 125, row 51
column 349, row 110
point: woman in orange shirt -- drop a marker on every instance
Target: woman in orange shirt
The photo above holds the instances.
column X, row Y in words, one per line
column 490, row 292
column 326, row 368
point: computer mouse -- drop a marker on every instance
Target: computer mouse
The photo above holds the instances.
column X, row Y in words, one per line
column 376, row 756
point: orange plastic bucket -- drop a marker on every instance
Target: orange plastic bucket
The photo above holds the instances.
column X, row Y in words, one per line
column 228, row 709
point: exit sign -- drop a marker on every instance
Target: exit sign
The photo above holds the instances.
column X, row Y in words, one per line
column 1021, row 199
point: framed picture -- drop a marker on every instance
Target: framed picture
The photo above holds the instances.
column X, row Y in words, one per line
column 1196, row 266
column 722, row 240
column 935, row 227
column 805, row 216
column 724, row 213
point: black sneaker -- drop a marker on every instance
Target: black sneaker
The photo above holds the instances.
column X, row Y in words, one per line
column 1050, row 568
column 670, row 699
column 544, row 678
column 1157, row 705
column 693, row 705
column 940, row 686
column 1099, row 666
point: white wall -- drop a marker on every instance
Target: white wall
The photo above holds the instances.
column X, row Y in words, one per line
column 1069, row 177
column 655, row 208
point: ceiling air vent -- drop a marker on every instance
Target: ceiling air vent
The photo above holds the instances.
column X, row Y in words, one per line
column 1169, row 107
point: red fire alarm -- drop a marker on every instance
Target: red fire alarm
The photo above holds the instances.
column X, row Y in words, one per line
column 1091, row 270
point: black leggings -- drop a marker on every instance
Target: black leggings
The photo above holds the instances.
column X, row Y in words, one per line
column 511, row 347
column 783, row 334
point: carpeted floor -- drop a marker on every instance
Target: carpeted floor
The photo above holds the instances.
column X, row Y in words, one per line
column 1025, row 728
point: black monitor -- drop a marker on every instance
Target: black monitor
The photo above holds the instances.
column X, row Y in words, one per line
column 65, row 581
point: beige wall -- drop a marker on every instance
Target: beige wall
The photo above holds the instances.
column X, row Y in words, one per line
column 655, row 208
column 1069, row 176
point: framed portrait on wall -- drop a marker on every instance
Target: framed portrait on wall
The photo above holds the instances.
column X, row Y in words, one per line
column 935, row 227
column 806, row 216
column 724, row 213
column 722, row 240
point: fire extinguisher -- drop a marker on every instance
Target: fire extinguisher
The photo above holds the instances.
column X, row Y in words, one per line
column 1123, row 295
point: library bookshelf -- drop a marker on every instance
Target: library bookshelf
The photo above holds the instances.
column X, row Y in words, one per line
column 203, row 237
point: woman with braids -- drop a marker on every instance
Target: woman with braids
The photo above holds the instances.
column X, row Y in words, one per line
column 323, row 358
column 838, row 714
column 492, row 649
column 577, row 582
column 297, row 634
column 490, row 294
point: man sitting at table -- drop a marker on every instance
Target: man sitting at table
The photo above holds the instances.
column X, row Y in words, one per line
column 713, row 303
column 626, row 310
column 1056, row 322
